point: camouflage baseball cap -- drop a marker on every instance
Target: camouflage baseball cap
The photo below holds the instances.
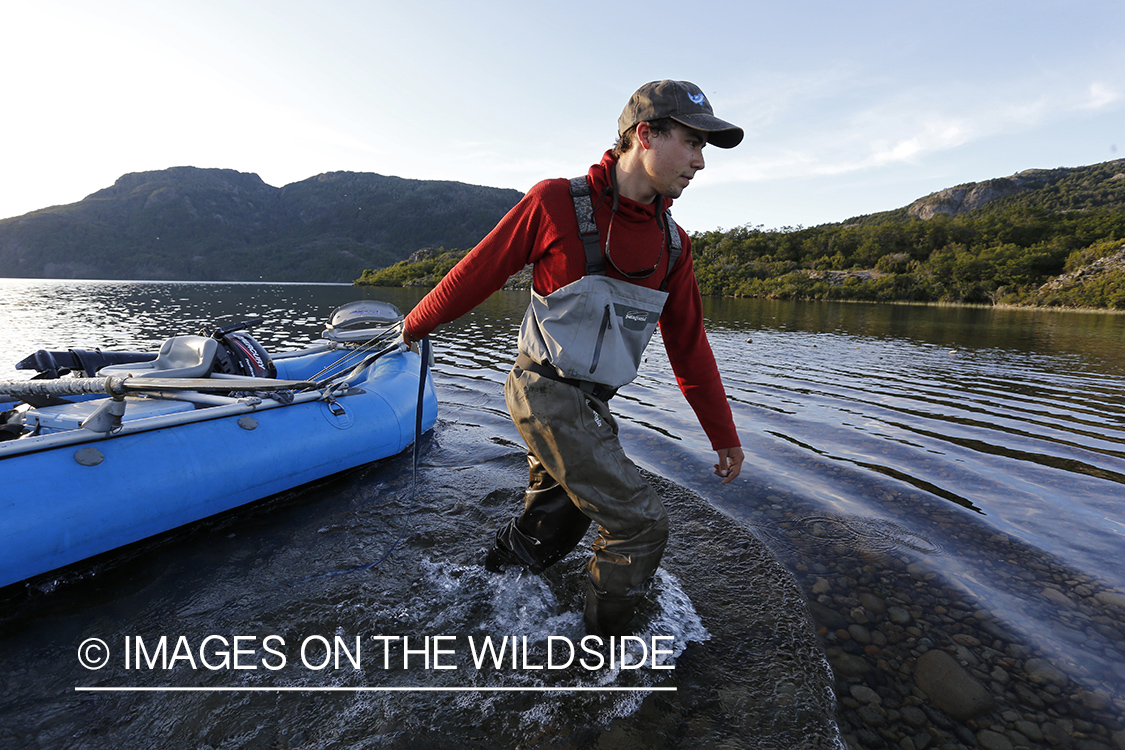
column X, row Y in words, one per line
column 683, row 102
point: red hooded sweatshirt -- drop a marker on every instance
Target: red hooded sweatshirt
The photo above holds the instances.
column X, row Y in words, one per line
column 542, row 230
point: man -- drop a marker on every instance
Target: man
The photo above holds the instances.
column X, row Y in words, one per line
column 608, row 265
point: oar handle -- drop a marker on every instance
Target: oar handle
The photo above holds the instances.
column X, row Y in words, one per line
column 119, row 385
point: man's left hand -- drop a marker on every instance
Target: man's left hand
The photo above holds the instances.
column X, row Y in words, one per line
column 730, row 463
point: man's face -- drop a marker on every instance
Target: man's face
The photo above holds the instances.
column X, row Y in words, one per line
column 674, row 158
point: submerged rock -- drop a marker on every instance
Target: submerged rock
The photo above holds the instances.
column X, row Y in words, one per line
column 950, row 687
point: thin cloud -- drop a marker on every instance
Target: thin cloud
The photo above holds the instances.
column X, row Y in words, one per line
column 1101, row 95
column 904, row 129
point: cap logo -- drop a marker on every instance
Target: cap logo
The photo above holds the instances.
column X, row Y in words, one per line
column 697, row 98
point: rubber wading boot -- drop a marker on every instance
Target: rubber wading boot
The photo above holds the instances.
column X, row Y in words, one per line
column 547, row 530
column 514, row 548
column 608, row 616
column 497, row 559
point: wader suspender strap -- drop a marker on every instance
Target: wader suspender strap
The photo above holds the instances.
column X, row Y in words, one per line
column 674, row 243
column 588, row 231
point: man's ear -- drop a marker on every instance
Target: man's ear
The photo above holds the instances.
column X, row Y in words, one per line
column 644, row 135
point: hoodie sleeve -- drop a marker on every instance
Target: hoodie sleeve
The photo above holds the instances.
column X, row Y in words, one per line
column 483, row 271
column 690, row 354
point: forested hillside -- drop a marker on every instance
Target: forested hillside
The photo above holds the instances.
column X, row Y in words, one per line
column 994, row 242
column 221, row 225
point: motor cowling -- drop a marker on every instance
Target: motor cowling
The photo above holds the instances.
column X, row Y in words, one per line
column 360, row 321
column 240, row 353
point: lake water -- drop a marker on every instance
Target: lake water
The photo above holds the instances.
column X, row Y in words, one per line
column 918, row 479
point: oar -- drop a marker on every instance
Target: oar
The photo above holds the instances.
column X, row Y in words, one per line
column 206, row 384
column 119, row 385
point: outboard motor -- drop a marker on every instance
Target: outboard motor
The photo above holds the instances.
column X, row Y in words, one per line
column 240, row 353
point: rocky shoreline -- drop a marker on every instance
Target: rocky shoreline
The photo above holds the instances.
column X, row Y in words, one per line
column 1081, row 280
column 919, row 665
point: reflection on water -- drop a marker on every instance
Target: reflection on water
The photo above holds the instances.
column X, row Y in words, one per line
column 932, row 478
column 124, row 315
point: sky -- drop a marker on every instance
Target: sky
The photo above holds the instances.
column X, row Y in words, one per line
column 849, row 108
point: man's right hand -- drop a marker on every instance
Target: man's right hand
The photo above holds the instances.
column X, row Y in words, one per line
column 730, row 463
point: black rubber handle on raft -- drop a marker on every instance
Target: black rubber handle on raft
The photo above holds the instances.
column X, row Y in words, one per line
column 220, row 332
column 423, row 369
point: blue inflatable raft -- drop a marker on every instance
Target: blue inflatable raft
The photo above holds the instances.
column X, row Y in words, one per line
column 138, row 444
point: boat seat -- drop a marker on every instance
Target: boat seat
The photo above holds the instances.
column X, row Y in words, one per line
column 179, row 357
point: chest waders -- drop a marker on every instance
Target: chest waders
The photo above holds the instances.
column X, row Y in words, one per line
column 589, row 335
column 593, row 332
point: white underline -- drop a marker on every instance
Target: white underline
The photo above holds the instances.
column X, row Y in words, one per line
column 539, row 689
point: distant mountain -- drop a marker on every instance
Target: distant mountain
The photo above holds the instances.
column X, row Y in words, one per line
column 187, row 223
column 1052, row 190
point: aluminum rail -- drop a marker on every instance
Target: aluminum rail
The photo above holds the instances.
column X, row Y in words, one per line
column 146, row 424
